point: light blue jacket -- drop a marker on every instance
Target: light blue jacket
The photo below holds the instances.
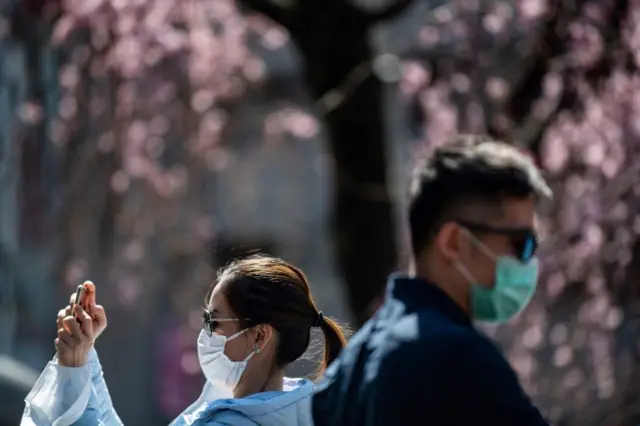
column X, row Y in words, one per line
column 65, row 396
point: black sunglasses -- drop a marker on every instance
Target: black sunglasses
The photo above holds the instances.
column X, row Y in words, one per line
column 524, row 241
column 210, row 323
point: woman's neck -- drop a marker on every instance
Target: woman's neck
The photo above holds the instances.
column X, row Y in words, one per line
column 273, row 383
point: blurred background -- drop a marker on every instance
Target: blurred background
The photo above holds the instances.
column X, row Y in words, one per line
column 144, row 143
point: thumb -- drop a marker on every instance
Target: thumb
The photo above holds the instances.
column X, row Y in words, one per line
column 86, row 324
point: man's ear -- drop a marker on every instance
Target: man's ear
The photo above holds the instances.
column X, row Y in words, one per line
column 449, row 241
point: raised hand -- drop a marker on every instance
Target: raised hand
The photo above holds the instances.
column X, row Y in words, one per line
column 96, row 312
column 75, row 338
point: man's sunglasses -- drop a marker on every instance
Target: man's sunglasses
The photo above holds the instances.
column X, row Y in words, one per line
column 524, row 241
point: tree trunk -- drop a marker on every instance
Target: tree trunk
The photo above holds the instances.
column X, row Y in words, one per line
column 333, row 38
column 362, row 217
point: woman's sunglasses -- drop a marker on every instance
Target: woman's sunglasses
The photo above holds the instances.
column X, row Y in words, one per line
column 524, row 241
column 210, row 323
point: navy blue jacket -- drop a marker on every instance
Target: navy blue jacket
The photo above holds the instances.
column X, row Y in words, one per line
column 419, row 360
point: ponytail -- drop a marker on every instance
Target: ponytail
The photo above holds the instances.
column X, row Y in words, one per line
column 334, row 341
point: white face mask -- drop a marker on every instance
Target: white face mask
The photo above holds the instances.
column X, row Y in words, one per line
column 216, row 366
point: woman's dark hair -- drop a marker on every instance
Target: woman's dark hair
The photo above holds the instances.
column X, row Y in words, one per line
column 268, row 290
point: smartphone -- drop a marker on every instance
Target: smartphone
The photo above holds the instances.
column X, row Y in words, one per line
column 80, row 297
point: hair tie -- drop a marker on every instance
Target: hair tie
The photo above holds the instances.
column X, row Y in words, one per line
column 319, row 320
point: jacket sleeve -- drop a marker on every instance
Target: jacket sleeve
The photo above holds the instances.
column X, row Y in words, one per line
column 59, row 397
column 64, row 396
column 100, row 400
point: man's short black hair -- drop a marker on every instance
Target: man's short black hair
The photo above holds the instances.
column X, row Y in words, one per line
column 469, row 172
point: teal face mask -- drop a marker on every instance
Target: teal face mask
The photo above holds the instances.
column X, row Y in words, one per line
column 513, row 288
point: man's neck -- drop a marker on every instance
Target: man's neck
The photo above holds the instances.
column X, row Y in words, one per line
column 459, row 294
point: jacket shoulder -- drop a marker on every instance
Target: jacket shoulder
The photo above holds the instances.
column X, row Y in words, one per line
column 226, row 417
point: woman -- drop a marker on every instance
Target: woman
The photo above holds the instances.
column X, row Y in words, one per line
column 257, row 320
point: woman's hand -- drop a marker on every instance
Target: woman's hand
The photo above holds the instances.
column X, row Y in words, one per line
column 96, row 312
column 75, row 338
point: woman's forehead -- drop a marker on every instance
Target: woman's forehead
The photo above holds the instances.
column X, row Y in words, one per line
column 218, row 302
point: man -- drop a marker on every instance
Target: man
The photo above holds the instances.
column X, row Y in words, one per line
column 419, row 360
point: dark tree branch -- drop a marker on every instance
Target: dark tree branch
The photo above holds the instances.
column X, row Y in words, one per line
column 552, row 44
column 389, row 12
column 615, row 53
column 283, row 16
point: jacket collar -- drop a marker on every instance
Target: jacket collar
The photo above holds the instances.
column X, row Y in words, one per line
column 416, row 294
column 291, row 406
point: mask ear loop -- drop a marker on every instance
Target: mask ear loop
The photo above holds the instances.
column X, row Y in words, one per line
column 464, row 271
column 256, row 350
column 239, row 333
column 482, row 246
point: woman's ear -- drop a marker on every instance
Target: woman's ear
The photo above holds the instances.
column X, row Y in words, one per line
column 264, row 335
